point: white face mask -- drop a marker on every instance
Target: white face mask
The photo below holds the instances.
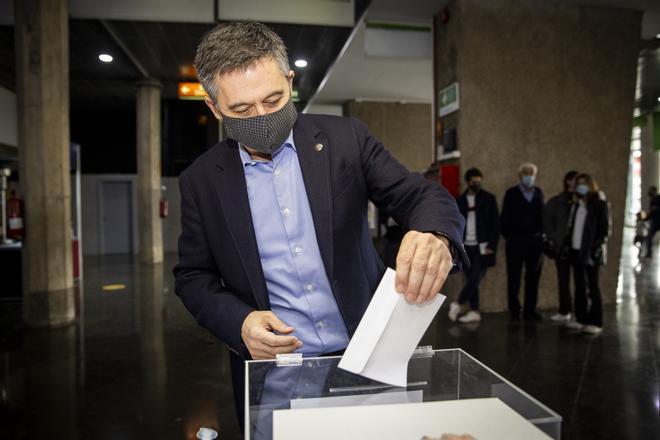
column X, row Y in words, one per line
column 582, row 190
column 527, row 181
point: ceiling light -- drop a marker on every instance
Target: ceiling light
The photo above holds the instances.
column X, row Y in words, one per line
column 658, row 98
column 105, row 58
column 657, row 36
column 301, row 63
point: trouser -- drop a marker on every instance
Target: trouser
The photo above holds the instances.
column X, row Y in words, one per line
column 470, row 291
column 655, row 227
column 564, row 283
column 586, row 282
column 527, row 252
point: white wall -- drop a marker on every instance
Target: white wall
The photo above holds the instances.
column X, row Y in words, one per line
column 90, row 211
column 8, row 121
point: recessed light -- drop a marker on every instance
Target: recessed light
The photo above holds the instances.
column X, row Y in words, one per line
column 657, row 36
column 105, row 58
column 301, row 63
column 658, row 98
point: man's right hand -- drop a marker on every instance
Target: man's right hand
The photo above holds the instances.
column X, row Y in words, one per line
column 258, row 335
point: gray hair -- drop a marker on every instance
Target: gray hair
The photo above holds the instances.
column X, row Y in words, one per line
column 528, row 166
column 229, row 47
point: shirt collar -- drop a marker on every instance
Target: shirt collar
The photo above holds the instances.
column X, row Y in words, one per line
column 247, row 160
column 524, row 189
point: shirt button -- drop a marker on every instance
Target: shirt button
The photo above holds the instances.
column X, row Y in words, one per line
column 277, row 173
column 298, row 250
column 321, row 325
column 309, row 288
column 286, row 212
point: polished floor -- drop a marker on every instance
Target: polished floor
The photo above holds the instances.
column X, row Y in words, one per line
column 137, row 366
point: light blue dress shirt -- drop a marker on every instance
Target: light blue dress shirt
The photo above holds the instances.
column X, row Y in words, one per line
column 298, row 287
column 528, row 193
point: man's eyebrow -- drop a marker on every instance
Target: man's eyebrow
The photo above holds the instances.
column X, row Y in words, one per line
column 241, row 104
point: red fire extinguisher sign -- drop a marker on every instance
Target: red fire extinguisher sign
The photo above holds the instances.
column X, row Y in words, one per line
column 164, row 208
column 15, row 217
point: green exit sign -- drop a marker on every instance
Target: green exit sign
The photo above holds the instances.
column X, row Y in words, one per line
column 448, row 100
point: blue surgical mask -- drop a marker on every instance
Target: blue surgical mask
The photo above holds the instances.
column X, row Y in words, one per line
column 527, row 180
column 582, row 190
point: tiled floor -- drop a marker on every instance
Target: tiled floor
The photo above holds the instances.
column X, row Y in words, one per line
column 139, row 367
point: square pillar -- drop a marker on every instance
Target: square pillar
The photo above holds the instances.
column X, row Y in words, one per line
column 42, row 89
column 150, row 229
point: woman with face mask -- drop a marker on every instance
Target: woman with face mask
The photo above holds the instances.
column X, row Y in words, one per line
column 588, row 231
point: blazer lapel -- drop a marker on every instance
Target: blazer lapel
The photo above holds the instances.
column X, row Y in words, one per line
column 314, row 158
column 232, row 193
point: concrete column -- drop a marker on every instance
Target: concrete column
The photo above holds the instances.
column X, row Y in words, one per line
column 42, row 88
column 404, row 129
column 544, row 82
column 150, row 230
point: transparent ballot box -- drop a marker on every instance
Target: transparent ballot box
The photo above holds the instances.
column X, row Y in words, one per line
column 314, row 391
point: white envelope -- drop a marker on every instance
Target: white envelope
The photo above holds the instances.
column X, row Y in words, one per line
column 388, row 334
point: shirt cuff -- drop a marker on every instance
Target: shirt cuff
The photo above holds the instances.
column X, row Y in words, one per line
column 458, row 255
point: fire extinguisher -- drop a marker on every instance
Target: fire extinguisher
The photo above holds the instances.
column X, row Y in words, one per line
column 164, row 204
column 14, row 217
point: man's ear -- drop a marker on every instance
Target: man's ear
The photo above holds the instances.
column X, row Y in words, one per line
column 211, row 105
column 290, row 77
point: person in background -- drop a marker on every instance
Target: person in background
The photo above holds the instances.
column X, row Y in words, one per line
column 641, row 232
column 654, row 219
column 556, row 215
column 479, row 208
column 588, row 230
column 522, row 228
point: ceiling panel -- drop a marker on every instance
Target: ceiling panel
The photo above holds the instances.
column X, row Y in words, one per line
column 161, row 48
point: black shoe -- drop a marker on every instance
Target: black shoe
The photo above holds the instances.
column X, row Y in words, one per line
column 533, row 317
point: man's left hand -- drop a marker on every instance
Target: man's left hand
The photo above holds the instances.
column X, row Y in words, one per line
column 422, row 265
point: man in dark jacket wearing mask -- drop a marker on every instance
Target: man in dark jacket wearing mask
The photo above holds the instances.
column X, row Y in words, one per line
column 556, row 216
column 482, row 232
column 275, row 254
column 522, row 228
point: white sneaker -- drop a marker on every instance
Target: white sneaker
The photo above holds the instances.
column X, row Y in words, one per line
column 592, row 330
column 558, row 317
column 471, row 316
column 454, row 310
column 574, row 325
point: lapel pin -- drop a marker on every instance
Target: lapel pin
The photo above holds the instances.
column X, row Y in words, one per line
column 318, row 147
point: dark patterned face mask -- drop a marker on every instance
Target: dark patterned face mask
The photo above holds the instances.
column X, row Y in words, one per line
column 264, row 133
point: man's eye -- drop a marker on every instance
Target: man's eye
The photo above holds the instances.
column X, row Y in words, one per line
column 273, row 102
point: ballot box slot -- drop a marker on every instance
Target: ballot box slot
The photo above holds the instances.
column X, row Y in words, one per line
column 360, row 388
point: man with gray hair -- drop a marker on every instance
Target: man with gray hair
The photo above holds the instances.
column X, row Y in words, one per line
column 522, row 228
column 275, row 254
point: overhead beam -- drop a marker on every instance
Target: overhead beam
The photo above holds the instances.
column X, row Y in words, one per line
column 118, row 41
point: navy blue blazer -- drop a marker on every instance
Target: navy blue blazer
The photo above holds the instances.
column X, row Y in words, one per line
column 219, row 276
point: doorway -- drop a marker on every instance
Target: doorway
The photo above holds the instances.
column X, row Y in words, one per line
column 116, row 217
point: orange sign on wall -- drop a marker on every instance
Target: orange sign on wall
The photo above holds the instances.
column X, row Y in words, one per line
column 191, row 90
